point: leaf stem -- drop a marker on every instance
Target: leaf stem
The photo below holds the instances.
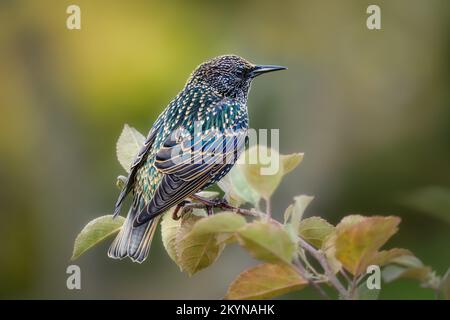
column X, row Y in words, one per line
column 305, row 274
column 307, row 264
column 268, row 207
column 353, row 287
column 326, row 268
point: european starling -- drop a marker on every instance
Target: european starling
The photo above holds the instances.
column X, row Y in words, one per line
column 193, row 144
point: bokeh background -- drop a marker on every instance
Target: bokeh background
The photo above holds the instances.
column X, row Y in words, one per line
column 370, row 110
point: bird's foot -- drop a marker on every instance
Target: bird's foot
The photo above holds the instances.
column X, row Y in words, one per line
column 184, row 207
column 221, row 203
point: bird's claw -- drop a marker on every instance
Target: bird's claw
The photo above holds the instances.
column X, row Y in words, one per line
column 181, row 206
column 184, row 207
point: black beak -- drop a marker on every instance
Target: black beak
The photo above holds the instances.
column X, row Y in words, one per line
column 258, row 70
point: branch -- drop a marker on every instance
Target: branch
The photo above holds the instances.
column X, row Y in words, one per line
column 268, row 207
column 305, row 245
column 224, row 206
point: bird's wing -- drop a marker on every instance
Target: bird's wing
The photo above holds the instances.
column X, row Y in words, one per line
column 188, row 164
column 136, row 164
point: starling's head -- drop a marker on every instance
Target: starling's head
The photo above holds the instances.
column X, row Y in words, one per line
column 229, row 75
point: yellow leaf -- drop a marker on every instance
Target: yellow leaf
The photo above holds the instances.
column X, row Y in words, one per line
column 329, row 249
column 169, row 229
column 384, row 257
column 351, row 220
column 358, row 240
column 262, row 169
column 265, row 281
column 290, row 161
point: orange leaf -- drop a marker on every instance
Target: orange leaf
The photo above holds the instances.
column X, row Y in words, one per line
column 265, row 281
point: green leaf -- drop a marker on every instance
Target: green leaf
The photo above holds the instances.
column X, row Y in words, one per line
column 407, row 266
column 290, row 161
column 315, row 230
column 223, row 222
column 237, row 190
column 267, row 241
column 288, row 213
column 300, row 204
column 169, row 229
column 432, row 200
column 262, row 169
column 195, row 252
column 226, row 238
column 199, row 212
column 393, row 272
column 249, row 181
column 128, row 146
column 265, row 281
column 359, row 239
column 94, row 232
column 408, row 261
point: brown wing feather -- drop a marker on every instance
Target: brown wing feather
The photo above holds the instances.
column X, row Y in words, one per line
column 188, row 168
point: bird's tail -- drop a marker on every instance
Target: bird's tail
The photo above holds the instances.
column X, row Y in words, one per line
column 133, row 242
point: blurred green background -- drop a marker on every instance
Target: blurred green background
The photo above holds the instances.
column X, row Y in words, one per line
column 370, row 109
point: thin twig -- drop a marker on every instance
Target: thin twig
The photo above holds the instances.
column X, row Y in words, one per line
column 306, row 261
column 223, row 206
column 304, row 274
column 268, row 207
column 326, row 268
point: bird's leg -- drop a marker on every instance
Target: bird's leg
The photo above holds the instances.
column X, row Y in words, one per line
column 184, row 208
column 175, row 215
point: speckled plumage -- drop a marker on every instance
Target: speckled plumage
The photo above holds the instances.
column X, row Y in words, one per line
column 193, row 144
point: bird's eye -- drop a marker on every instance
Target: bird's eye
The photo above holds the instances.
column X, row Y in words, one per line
column 240, row 73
